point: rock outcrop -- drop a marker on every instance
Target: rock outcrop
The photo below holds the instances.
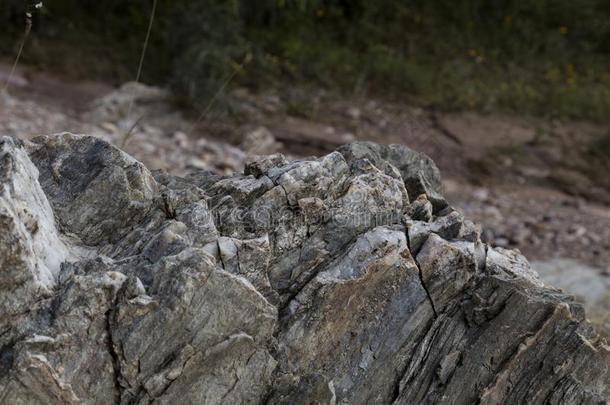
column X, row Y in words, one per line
column 346, row 279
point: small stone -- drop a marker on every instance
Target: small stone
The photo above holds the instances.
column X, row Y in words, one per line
column 354, row 113
column 420, row 209
column 260, row 142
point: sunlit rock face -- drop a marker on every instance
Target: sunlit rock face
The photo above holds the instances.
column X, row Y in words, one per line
column 341, row 280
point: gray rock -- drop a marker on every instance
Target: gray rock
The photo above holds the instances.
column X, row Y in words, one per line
column 314, row 281
column 96, row 190
column 260, row 165
column 31, row 248
column 250, row 259
column 418, row 171
column 420, row 209
column 450, row 226
column 260, row 142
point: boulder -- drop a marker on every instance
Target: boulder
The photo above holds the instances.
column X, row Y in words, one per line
column 345, row 279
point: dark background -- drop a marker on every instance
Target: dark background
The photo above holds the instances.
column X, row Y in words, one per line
column 541, row 57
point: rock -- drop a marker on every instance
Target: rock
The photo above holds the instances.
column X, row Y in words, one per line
column 250, row 259
column 13, row 80
column 31, row 248
column 418, row 171
column 353, row 113
column 420, row 209
column 450, row 226
column 261, row 165
column 313, row 281
column 6, row 100
column 216, row 346
column 260, row 142
column 481, row 194
column 132, row 98
column 96, row 190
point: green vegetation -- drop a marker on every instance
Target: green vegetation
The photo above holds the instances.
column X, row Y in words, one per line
column 542, row 57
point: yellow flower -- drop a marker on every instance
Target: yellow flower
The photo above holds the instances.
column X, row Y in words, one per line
column 472, row 53
column 563, row 29
column 553, row 74
column 320, row 12
column 508, row 19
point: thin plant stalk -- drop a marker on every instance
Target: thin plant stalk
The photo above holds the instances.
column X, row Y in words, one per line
column 26, row 34
column 139, row 72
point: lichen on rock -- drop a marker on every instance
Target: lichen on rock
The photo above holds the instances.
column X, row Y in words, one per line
column 337, row 280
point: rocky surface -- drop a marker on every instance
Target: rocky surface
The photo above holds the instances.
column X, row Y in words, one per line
column 141, row 119
column 339, row 280
column 544, row 224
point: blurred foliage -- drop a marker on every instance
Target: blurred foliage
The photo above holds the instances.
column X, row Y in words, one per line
column 88, row 38
column 535, row 56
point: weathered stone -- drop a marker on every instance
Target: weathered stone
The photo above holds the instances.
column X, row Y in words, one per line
column 314, row 281
column 220, row 328
column 31, row 248
column 248, row 258
column 357, row 320
column 420, row 209
column 96, row 190
column 260, row 165
column 260, row 142
column 418, row 171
